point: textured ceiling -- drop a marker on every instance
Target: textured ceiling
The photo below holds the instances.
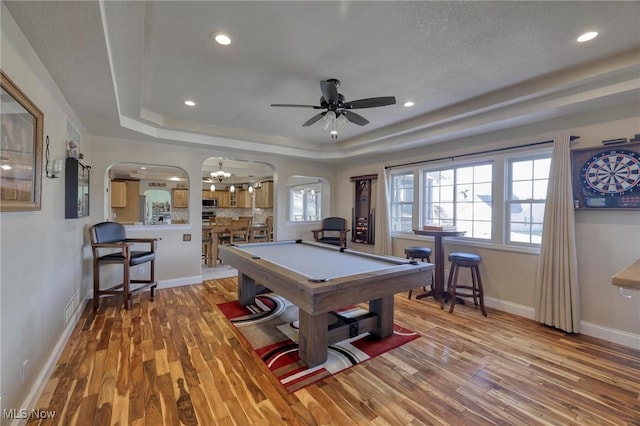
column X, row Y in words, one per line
column 470, row 67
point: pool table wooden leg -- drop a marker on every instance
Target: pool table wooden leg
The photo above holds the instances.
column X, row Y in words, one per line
column 313, row 338
column 383, row 307
column 246, row 290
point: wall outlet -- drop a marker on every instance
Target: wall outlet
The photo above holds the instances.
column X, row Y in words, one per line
column 186, row 237
column 25, row 372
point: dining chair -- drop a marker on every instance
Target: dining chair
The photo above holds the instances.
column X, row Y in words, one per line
column 239, row 231
column 206, row 246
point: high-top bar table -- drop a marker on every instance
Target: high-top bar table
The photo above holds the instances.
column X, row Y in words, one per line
column 438, row 287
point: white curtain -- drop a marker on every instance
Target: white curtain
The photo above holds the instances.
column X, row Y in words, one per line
column 556, row 290
column 383, row 233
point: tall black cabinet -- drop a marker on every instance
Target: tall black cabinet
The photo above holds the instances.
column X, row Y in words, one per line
column 76, row 183
column 363, row 216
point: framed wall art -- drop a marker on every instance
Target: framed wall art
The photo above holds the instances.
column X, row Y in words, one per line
column 20, row 149
column 606, row 178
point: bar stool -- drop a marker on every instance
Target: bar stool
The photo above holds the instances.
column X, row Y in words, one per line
column 471, row 261
column 419, row 253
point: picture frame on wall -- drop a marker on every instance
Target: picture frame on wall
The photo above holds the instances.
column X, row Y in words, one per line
column 606, row 178
column 21, row 136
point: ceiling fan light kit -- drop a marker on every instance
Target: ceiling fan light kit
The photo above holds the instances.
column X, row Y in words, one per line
column 338, row 111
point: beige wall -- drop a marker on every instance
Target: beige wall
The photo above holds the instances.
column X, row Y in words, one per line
column 179, row 261
column 607, row 241
column 45, row 258
column 41, row 253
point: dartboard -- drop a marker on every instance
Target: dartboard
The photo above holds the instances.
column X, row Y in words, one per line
column 614, row 172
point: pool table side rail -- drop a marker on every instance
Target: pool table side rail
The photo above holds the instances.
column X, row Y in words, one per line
column 324, row 296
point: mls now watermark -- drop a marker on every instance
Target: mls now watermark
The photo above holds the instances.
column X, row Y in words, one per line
column 23, row 413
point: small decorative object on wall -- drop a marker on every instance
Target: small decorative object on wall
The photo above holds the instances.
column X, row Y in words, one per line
column 607, row 178
column 20, row 149
column 53, row 167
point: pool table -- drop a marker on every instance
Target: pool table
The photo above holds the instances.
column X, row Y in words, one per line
column 321, row 278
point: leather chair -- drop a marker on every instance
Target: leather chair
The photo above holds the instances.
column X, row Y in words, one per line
column 111, row 246
column 334, row 231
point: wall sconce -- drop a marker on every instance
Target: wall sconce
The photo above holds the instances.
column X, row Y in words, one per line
column 53, row 167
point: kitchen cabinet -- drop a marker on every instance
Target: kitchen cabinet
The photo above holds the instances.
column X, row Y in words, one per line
column 118, row 194
column 208, row 195
column 180, row 198
column 264, row 195
column 223, row 198
column 243, row 199
column 130, row 212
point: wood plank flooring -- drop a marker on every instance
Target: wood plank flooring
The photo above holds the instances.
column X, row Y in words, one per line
column 179, row 361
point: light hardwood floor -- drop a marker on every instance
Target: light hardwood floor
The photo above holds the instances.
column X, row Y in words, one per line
column 178, row 360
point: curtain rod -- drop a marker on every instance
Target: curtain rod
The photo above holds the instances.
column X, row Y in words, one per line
column 453, row 157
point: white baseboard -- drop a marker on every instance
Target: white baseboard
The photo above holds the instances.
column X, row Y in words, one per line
column 509, row 307
column 177, row 282
column 610, row 334
column 589, row 329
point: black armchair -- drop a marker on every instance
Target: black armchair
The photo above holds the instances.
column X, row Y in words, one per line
column 111, row 236
column 334, row 231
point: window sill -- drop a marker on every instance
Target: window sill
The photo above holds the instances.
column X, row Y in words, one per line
column 469, row 242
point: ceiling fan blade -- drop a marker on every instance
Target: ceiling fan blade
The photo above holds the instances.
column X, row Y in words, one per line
column 313, row 119
column 355, row 118
column 329, row 91
column 297, row 106
column 371, row 102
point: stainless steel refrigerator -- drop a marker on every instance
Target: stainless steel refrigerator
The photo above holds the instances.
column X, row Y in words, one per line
column 142, row 209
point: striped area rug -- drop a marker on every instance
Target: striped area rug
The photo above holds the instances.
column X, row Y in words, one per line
column 271, row 328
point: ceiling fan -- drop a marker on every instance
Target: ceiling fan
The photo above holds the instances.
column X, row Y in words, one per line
column 336, row 107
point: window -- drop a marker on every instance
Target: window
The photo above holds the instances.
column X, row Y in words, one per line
column 460, row 197
column 305, row 201
column 525, row 200
column 401, row 201
column 497, row 200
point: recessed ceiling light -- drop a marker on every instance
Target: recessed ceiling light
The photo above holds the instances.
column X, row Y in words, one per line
column 143, row 168
column 587, row 36
column 409, row 104
column 222, row 39
column 189, row 103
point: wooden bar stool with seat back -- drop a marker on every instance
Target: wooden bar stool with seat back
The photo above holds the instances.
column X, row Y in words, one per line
column 111, row 237
column 422, row 254
column 475, row 290
column 334, row 231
